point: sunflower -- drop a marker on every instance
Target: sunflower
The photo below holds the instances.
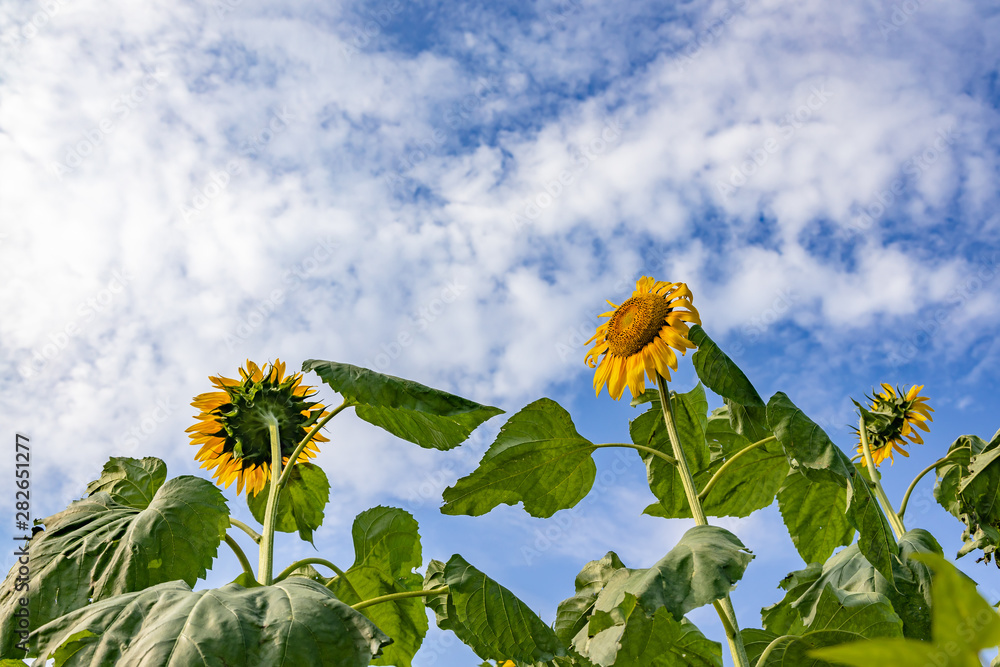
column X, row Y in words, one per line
column 233, row 425
column 638, row 338
column 897, row 415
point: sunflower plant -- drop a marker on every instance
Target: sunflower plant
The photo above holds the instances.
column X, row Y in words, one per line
column 112, row 577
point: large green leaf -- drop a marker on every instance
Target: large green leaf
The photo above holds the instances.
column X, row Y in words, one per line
column 748, row 420
column 815, row 513
column 849, row 571
column 387, row 549
column 487, row 617
column 964, row 624
column 295, row 623
column 748, row 484
column 719, row 372
column 538, row 458
column 409, row 410
column 98, row 548
column 979, row 501
column 301, row 501
column 634, row 639
column 573, row 613
column 838, row 617
column 751, row 481
column 875, row 538
column 704, row 566
column 951, row 472
column 805, row 442
column 129, row 481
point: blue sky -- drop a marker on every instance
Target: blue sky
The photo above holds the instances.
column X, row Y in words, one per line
column 186, row 185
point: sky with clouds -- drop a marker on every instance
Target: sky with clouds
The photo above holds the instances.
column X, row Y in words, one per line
column 449, row 192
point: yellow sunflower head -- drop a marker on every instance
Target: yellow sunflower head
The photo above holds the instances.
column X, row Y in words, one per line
column 641, row 336
column 232, row 430
column 896, row 416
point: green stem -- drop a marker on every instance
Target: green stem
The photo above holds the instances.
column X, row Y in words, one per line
column 642, row 448
column 309, row 561
column 897, row 524
column 254, row 535
column 242, row 557
column 267, row 543
column 718, row 473
column 305, row 441
column 913, row 484
column 770, row 647
column 398, row 596
column 724, row 606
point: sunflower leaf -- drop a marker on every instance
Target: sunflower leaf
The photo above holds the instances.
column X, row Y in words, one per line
column 979, row 501
column 815, row 514
column 875, row 538
column 419, row 414
column 805, row 443
column 574, row 613
column 387, row 549
column 300, row 502
column 487, row 617
column 296, row 621
column 719, row 372
column 98, row 548
column 963, row 624
column 538, row 458
column 848, row 571
column 129, row 481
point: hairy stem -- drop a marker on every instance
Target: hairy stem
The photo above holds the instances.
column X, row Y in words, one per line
column 306, row 440
column 913, row 484
column 254, row 535
column 897, row 524
column 399, row 596
column 725, row 466
column 770, row 647
column 641, row 448
column 267, row 543
column 723, row 607
column 310, row 561
column 240, row 556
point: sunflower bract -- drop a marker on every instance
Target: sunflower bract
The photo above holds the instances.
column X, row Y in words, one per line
column 232, row 430
column 904, row 412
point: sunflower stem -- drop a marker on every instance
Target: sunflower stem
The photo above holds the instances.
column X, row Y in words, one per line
column 309, row 561
column 399, row 596
column 920, row 476
column 240, row 556
column 254, row 535
column 641, row 448
column 773, row 645
column 306, row 440
column 732, row 459
column 897, row 524
column 267, row 543
column 723, row 606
